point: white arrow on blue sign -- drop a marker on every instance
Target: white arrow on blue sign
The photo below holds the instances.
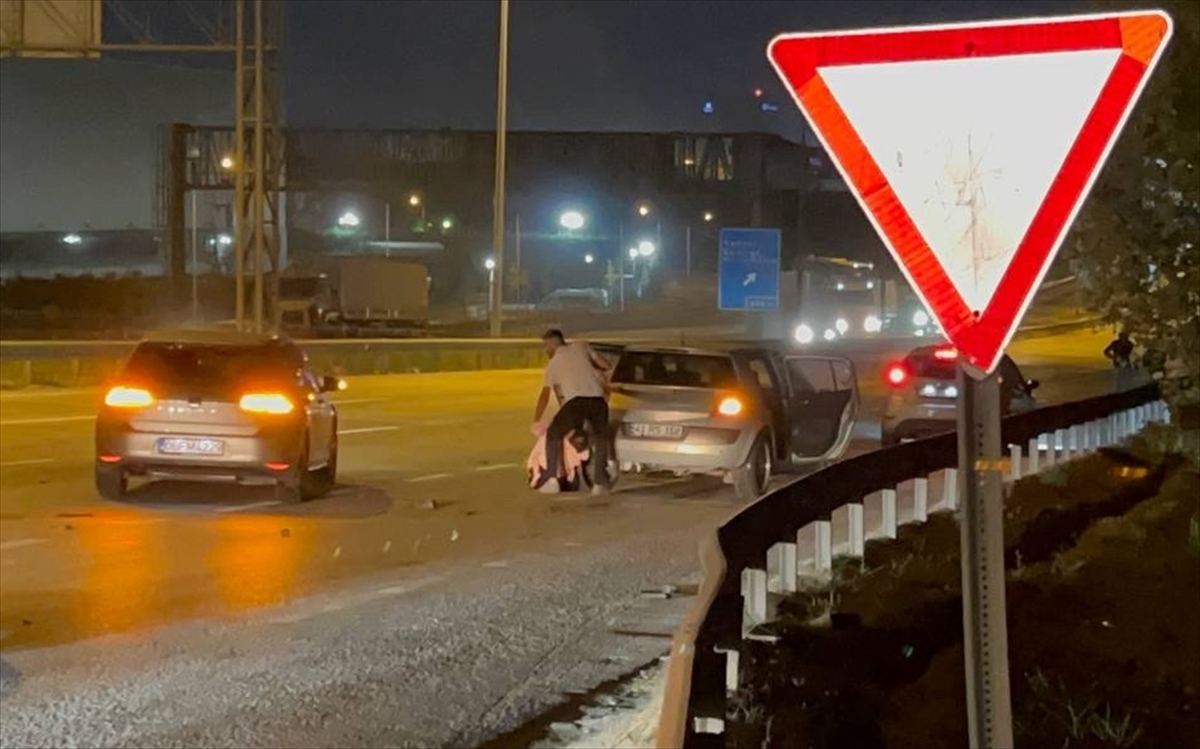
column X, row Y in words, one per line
column 748, row 274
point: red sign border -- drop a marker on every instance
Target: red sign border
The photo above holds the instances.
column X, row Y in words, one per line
column 980, row 335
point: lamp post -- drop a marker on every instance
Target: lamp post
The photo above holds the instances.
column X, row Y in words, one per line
column 490, row 264
column 496, row 305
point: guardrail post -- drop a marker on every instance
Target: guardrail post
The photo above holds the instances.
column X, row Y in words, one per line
column 920, row 500
column 950, row 489
column 824, row 548
column 888, row 497
column 782, row 560
column 1073, row 436
column 1014, row 463
column 731, row 667
column 1085, row 438
column 1033, row 456
column 754, row 598
column 857, row 534
column 1051, row 448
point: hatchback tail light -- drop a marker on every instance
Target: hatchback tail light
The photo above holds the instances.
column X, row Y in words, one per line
column 896, row 375
column 266, row 403
column 122, row 396
column 729, row 405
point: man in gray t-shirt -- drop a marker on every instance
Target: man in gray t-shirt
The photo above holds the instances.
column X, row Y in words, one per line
column 576, row 376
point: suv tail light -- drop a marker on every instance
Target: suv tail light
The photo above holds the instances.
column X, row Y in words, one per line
column 896, row 375
column 266, row 403
column 128, row 397
column 729, row 405
column 945, row 354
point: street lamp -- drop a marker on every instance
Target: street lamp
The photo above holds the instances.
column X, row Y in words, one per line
column 226, row 162
column 448, row 224
column 643, row 209
column 633, row 253
column 490, row 265
column 571, row 220
column 414, row 200
column 708, row 216
column 348, row 220
column 645, row 248
column 589, row 258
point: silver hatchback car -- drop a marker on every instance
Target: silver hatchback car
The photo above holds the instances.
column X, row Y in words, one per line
column 216, row 405
column 731, row 411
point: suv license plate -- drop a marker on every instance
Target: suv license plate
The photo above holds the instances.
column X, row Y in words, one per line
column 656, row 431
column 190, row 446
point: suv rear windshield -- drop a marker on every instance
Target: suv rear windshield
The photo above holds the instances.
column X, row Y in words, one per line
column 206, row 368
column 925, row 365
column 678, row 370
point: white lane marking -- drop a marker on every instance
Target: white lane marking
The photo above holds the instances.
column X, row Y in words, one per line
column 428, row 477
column 30, row 462
column 46, row 420
column 496, row 467
column 251, row 506
column 367, row 430
column 20, row 542
column 498, row 563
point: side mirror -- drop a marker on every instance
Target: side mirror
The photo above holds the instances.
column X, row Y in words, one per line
column 332, row 384
column 1031, row 385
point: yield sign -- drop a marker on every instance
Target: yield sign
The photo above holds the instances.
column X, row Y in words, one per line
column 972, row 146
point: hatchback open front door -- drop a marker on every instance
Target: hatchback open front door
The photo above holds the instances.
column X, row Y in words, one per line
column 823, row 406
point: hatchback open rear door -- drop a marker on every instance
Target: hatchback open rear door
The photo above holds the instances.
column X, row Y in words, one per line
column 823, row 406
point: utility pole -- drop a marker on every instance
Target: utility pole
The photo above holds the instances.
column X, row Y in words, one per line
column 495, row 323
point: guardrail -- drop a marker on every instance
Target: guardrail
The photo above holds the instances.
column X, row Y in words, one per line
column 752, row 561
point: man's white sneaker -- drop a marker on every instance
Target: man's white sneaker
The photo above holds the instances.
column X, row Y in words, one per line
column 550, row 487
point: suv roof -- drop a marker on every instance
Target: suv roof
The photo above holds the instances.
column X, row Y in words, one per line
column 214, row 337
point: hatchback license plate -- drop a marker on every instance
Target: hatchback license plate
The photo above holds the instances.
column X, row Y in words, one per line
column 190, row 446
column 656, row 431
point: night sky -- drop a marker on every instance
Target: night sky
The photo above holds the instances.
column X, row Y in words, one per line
column 574, row 65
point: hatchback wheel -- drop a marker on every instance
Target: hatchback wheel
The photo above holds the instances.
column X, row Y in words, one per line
column 111, row 482
column 751, row 478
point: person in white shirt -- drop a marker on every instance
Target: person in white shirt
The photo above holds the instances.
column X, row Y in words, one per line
column 577, row 377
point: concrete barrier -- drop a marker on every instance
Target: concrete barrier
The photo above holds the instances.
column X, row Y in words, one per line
column 85, row 363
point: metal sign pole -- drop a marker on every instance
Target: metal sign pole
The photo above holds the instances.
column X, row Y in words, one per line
column 985, row 629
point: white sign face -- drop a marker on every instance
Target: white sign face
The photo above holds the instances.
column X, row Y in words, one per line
column 971, row 146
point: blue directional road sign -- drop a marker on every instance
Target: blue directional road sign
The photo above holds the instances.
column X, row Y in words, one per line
column 749, row 269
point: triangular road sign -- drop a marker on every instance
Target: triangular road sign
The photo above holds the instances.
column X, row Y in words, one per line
column 972, row 146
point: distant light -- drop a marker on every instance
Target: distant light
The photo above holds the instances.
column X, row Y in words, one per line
column 767, row 106
column 646, row 248
column 226, row 162
column 920, row 318
column 348, row 219
column 842, row 325
column 803, row 334
column 758, row 92
column 870, row 285
column 490, row 263
column 829, row 334
column 708, row 107
column 571, row 220
column 72, row 239
column 708, row 216
column 643, row 210
column 589, row 258
column 872, row 324
column 841, row 286
column 224, row 240
column 447, row 223
column 633, row 253
column 414, row 200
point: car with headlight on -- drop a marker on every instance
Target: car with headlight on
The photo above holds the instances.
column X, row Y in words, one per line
column 733, row 411
column 218, row 406
column 923, row 393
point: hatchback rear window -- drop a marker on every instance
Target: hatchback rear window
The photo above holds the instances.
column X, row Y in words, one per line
column 678, row 370
column 174, row 365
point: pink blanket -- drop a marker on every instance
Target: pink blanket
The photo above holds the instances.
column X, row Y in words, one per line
column 572, row 462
